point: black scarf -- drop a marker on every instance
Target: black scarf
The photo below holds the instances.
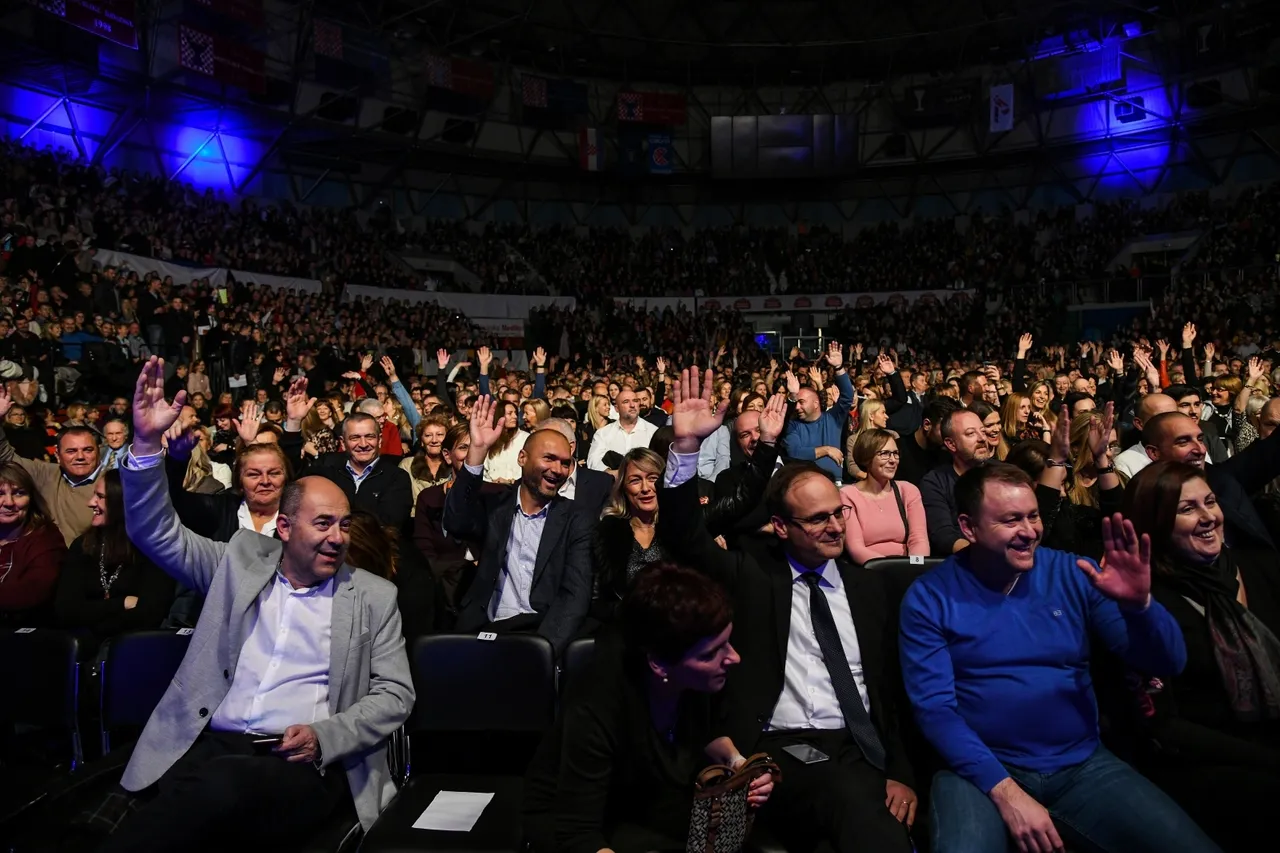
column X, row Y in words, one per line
column 1246, row 651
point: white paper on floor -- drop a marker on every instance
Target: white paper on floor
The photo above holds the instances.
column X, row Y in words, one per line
column 453, row 811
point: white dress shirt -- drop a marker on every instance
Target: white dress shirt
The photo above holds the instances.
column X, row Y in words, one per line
column 614, row 437
column 282, row 675
column 808, row 699
column 570, row 486
column 245, row 519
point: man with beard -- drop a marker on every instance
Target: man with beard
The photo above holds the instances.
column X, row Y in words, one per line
column 995, row 658
column 967, row 447
column 818, row 681
column 534, row 573
column 296, row 675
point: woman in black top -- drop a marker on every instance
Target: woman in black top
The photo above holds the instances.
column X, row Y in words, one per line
column 627, row 539
column 1211, row 736
column 617, row 771
column 382, row 551
column 108, row 587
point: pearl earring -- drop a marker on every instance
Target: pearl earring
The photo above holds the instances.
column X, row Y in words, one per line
column 664, row 679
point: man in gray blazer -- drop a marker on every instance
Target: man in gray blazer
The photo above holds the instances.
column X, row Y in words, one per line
column 292, row 644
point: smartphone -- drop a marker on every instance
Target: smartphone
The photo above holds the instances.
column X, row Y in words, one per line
column 805, row 754
column 265, row 745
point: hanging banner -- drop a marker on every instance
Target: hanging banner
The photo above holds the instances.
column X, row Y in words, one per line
column 1002, row 108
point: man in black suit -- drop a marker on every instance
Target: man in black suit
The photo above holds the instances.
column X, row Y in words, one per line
column 535, row 561
column 372, row 482
column 588, row 489
column 737, row 507
column 1175, row 436
column 819, row 687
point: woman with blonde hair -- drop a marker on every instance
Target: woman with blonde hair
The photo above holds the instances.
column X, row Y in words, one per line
column 1041, row 396
column 598, row 412
column 427, row 466
column 533, row 413
column 871, row 415
column 626, row 539
column 1019, row 421
column 394, row 412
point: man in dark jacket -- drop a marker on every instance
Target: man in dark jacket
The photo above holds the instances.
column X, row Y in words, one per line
column 373, row 482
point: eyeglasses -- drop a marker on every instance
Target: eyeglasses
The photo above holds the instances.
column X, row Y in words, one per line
column 887, row 454
column 1114, row 448
column 815, row 522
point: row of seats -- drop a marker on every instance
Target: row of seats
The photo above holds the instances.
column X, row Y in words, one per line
column 483, row 706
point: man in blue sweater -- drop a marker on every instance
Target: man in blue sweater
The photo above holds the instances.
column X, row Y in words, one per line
column 814, row 435
column 995, row 658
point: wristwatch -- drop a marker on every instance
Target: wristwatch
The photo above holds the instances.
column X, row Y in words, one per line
column 1109, row 469
column 1054, row 463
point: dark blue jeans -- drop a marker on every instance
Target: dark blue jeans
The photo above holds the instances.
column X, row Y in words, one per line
column 1101, row 806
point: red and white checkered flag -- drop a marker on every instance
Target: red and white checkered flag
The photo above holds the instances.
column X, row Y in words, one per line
column 195, row 50
column 327, row 39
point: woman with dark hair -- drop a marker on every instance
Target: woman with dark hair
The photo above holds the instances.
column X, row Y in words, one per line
column 617, row 771
column 446, row 554
column 626, row 539
column 382, row 551
column 502, row 465
column 107, row 586
column 1210, row 737
column 31, row 551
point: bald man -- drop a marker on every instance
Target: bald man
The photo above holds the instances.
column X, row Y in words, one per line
column 590, row 489
column 295, row 678
column 534, row 573
column 1180, row 438
column 1133, row 460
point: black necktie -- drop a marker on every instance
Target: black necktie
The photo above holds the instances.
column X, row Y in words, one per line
column 855, row 713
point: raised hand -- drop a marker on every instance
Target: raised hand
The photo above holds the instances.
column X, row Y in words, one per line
column 1024, row 344
column 793, row 383
column 1115, row 361
column 1163, row 346
column 1209, row 350
column 1100, row 433
column 366, row 361
column 540, row 358
column 152, row 414
column 835, row 355
column 1188, row 335
column 885, row 363
column 390, row 369
column 1254, row 371
column 180, row 439
column 297, row 404
column 1143, row 360
column 250, row 420
column 692, row 417
column 484, row 432
column 661, row 364
column 1124, row 575
column 484, row 356
column 857, row 351
column 278, row 375
column 1060, row 441
column 773, row 418
column 442, row 358
column 815, row 377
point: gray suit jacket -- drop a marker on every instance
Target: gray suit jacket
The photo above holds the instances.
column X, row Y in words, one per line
column 370, row 689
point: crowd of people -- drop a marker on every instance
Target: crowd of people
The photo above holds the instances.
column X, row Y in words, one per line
column 308, row 483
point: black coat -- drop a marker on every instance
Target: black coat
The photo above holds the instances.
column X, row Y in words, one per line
column 1234, row 480
column 386, row 493
column 593, row 490
column 561, row 589
column 761, row 592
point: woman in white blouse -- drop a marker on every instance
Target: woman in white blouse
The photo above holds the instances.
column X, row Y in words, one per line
column 502, row 464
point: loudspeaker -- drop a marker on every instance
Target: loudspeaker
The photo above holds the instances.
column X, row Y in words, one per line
column 1130, row 110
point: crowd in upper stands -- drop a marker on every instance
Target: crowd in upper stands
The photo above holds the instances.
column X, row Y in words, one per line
column 710, row 529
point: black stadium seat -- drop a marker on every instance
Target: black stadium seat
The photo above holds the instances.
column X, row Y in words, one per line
column 901, row 572
column 577, row 657
column 136, row 670
column 39, row 693
column 482, row 707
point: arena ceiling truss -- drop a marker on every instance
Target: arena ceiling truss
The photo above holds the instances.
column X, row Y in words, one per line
column 605, row 111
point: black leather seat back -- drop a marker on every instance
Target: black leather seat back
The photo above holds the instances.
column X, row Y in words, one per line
column 465, row 684
column 137, row 669
column 39, row 678
column 577, row 658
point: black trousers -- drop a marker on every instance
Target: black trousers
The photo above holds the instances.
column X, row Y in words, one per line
column 839, row 801
column 222, row 794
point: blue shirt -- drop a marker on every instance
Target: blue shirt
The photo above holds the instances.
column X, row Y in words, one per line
column 802, row 438
column 999, row 679
column 73, row 344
